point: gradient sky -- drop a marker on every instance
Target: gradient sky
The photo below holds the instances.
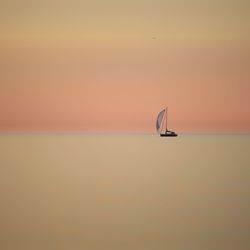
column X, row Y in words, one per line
column 112, row 65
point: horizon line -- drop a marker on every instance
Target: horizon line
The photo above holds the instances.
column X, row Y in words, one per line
column 114, row 133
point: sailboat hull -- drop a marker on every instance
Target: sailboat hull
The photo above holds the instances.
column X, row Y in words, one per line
column 169, row 135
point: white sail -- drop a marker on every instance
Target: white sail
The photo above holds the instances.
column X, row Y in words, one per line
column 159, row 120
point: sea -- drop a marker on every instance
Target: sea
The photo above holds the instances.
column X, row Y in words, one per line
column 124, row 192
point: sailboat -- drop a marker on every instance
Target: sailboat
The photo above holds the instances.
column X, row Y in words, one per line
column 160, row 122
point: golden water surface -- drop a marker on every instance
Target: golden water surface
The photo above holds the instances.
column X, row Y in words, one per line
column 124, row 192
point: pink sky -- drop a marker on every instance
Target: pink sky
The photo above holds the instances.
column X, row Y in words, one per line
column 59, row 74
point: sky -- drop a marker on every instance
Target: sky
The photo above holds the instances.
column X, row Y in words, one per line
column 111, row 66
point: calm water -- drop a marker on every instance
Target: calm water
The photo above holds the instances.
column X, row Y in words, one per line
column 128, row 192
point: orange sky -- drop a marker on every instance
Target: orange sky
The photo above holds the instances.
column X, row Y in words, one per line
column 89, row 66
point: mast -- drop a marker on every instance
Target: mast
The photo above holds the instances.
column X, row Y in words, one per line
column 166, row 118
